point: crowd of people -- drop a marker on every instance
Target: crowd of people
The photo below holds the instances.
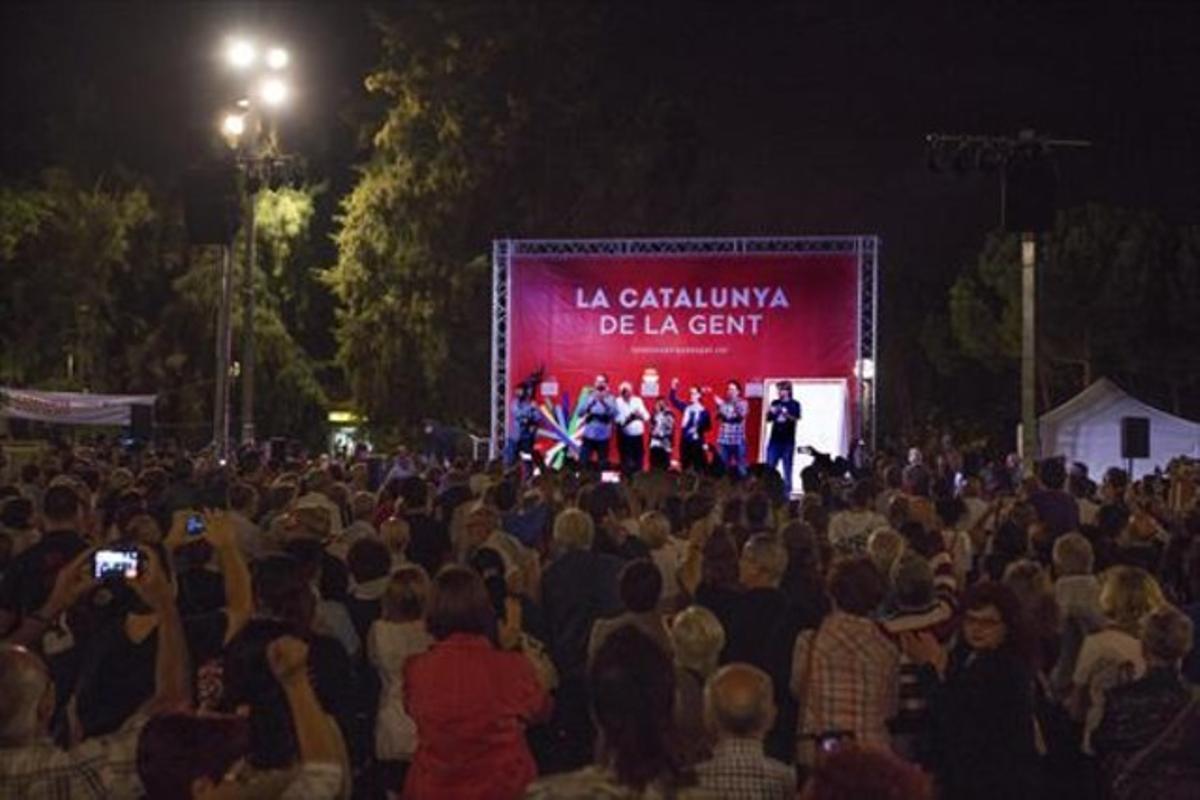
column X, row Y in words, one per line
column 173, row 626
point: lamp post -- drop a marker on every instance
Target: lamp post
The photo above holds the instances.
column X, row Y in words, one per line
column 1027, row 207
column 258, row 159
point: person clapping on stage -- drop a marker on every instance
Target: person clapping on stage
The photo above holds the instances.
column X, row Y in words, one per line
column 598, row 415
column 695, row 426
column 632, row 417
column 731, row 441
column 662, row 435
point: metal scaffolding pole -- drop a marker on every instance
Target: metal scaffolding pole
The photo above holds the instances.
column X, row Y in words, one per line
column 224, row 345
column 248, row 355
column 1029, row 424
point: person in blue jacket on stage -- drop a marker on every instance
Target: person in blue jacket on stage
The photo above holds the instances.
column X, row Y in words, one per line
column 599, row 414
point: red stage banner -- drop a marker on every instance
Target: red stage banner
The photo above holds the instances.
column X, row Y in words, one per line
column 703, row 318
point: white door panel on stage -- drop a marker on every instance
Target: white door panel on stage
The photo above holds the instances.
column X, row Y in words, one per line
column 824, row 419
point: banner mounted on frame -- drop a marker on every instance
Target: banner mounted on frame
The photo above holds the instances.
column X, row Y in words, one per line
column 704, row 312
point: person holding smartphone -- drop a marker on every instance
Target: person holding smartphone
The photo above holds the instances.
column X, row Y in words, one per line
column 114, row 678
column 31, row 765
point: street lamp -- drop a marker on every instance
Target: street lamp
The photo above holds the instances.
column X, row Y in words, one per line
column 273, row 92
column 241, row 53
column 277, row 58
column 251, row 132
column 1027, row 207
column 234, row 125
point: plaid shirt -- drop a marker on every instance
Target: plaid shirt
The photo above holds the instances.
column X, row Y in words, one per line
column 105, row 766
column 853, row 682
column 738, row 770
column 733, row 421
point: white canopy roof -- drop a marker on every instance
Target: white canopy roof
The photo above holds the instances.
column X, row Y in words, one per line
column 1087, row 429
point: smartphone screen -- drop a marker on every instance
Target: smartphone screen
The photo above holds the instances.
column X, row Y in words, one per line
column 610, row 476
column 118, row 564
column 195, row 525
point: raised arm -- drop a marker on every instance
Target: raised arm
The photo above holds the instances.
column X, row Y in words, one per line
column 316, row 733
column 72, row 582
column 239, row 597
column 674, row 396
column 172, row 687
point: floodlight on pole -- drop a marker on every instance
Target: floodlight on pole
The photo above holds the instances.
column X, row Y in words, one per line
column 277, row 58
column 273, row 92
column 250, row 130
column 241, row 53
column 234, row 125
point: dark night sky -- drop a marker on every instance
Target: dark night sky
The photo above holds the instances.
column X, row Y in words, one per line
column 815, row 111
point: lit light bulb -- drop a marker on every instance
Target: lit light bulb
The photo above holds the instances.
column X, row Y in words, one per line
column 273, row 92
column 277, row 58
column 233, row 125
column 241, row 53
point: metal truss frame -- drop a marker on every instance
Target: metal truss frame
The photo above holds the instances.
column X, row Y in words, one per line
column 865, row 247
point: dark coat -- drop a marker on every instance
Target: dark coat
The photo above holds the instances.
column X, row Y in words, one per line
column 982, row 716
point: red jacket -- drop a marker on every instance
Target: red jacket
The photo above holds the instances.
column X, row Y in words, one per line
column 471, row 703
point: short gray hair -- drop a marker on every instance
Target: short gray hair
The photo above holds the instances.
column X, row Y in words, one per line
column 1073, row 555
column 574, row 529
column 1167, row 634
column 22, row 683
column 698, row 638
column 767, row 553
column 739, row 700
column 885, row 546
column 912, row 582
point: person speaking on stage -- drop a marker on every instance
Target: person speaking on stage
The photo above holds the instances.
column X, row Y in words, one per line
column 662, row 435
column 693, row 429
column 731, row 440
column 599, row 413
column 783, row 414
column 632, row 417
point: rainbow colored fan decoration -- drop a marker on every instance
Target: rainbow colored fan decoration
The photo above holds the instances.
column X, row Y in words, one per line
column 562, row 427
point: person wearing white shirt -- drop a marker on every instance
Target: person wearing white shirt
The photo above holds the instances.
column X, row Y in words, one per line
column 393, row 639
column 632, row 417
column 1112, row 656
column 850, row 529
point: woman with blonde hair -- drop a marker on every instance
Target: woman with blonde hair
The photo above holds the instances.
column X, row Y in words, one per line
column 666, row 551
column 392, row 640
column 698, row 639
column 1113, row 656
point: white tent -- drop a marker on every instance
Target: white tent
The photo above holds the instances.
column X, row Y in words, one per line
column 1087, row 429
column 71, row 408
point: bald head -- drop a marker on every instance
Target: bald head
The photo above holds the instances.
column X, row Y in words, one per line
column 738, row 702
column 23, row 690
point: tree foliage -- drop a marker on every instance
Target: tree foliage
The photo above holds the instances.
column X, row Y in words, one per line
column 499, row 119
column 63, row 245
column 1117, row 294
column 102, row 293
